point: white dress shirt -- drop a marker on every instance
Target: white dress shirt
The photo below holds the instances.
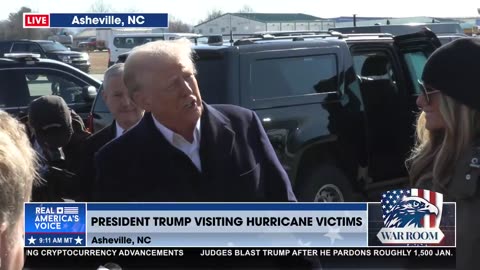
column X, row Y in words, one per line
column 192, row 150
column 119, row 131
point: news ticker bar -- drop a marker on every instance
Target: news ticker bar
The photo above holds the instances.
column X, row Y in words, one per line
column 244, row 252
column 95, row 20
column 222, row 225
column 225, row 258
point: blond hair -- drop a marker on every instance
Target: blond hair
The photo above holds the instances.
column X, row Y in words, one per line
column 436, row 152
column 142, row 59
column 18, row 164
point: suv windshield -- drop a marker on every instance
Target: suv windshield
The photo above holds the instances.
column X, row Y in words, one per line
column 52, row 46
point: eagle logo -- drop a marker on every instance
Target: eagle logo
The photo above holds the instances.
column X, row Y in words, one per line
column 410, row 216
column 409, row 212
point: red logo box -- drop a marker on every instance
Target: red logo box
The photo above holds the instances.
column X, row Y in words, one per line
column 36, row 20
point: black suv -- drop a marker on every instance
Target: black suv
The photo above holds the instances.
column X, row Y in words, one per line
column 52, row 77
column 47, row 49
column 339, row 109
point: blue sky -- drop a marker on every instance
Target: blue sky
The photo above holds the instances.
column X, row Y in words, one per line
column 192, row 11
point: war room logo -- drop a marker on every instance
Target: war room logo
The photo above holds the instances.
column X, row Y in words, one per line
column 411, row 216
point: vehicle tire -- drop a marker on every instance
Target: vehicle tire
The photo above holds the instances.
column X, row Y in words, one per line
column 32, row 77
column 325, row 183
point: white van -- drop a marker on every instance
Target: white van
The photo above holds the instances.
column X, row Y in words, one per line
column 121, row 43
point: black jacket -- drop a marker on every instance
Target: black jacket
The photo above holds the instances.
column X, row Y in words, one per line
column 90, row 148
column 237, row 159
column 238, row 165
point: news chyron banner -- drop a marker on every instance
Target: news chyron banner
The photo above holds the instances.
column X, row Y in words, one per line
column 94, row 20
column 408, row 217
column 196, row 225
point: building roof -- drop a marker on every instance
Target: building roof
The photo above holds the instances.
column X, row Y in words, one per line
column 277, row 17
column 271, row 17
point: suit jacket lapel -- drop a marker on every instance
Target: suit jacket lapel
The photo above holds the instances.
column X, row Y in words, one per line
column 216, row 146
column 112, row 131
column 161, row 158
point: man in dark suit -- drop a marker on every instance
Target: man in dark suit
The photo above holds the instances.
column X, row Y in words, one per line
column 184, row 150
column 125, row 113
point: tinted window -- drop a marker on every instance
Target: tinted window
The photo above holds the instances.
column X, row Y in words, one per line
column 53, row 46
column 415, row 63
column 13, row 89
column 294, row 76
column 5, row 47
column 49, row 82
column 20, row 47
column 211, row 76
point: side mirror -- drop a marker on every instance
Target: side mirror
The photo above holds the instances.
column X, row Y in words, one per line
column 89, row 93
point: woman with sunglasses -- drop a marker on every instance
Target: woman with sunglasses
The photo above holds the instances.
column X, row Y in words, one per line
column 446, row 157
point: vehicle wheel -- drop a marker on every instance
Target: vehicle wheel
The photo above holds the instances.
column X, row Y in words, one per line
column 32, row 77
column 325, row 183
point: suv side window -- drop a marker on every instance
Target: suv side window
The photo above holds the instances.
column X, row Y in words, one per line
column 415, row 63
column 34, row 48
column 20, row 47
column 293, row 76
column 49, row 82
column 5, row 47
column 26, row 47
column 13, row 89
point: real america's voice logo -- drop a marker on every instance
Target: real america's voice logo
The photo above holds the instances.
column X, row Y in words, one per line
column 411, row 216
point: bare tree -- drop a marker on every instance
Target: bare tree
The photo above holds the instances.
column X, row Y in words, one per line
column 100, row 7
column 13, row 27
column 246, row 9
column 132, row 10
column 176, row 25
column 212, row 14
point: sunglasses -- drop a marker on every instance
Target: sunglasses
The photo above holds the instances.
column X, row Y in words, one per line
column 427, row 91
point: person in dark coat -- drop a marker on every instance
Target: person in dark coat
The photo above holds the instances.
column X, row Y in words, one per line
column 446, row 157
column 184, row 150
column 57, row 134
column 125, row 114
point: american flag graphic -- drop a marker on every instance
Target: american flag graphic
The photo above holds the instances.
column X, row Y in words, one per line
column 70, row 210
column 412, row 208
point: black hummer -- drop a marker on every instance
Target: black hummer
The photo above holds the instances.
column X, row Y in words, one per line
column 47, row 49
column 338, row 109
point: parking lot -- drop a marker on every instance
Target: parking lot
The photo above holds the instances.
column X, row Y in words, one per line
column 99, row 63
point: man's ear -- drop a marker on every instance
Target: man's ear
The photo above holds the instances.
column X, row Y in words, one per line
column 140, row 98
column 104, row 95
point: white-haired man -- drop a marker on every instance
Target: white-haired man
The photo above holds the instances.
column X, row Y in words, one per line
column 184, row 150
column 125, row 114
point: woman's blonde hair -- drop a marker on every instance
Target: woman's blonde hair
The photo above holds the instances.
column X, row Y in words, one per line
column 18, row 164
column 436, row 152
